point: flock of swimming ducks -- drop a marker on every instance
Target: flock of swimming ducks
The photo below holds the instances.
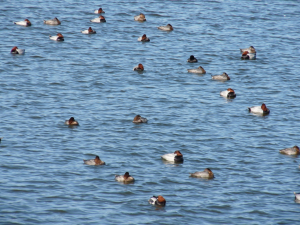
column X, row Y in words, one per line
column 176, row 157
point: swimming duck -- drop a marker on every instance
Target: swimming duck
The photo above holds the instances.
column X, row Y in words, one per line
column 71, row 122
column 207, row 173
column 144, row 38
column 25, row 23
column 58, row 37
column 291, row 151
column 297, row 196
column 159, row 200
column 167, row 27
column 192, row 59
column 100, row 19
column 223, row 77
column 16, row 50
column 54, row 21
column 140, row 67
column 173, row 157
column 126, row 178
column 139, row 119
column 263, row 110
column 229, row 93
column 248, row 53
column 94, row 162
column 198, row 70
column 98, row 11
column 140, row 17
column 89, row 31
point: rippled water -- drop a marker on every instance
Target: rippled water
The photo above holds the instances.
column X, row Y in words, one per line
column 42, row 176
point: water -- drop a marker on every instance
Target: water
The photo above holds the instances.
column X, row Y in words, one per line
column 42, row 176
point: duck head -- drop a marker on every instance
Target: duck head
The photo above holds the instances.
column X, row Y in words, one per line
column 141, row 66
column 161, row 200
column 61, row 36
column 144, row 37
column 169, row 25
column 137, row 118
column 264, row 107
column 126, row 175
column 100, row 10
column 297, row 149
column 226, row 75
column 14, row 49
column 90, row 30
column 211, row 174
column 28, row 22
column 230, row 90
column 192, row 57
column 178, row 153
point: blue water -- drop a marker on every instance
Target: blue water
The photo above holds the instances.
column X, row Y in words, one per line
column 42, row 176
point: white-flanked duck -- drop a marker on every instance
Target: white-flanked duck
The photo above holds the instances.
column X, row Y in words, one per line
column 222, row 77
column 173, row 157
column 54, row 21
column 58, row 37
column 290, row 151
column 192, row 59
column 71, row 122
column 166, row 28
column 139, row 119
column 98, row 11
column 126, row 178
column 100, row 19
column 140, row 18
column 139, row 67
column 198, row 70
column 248, row 53
column 25, row 23
column 94, row 162
column 144, row 38
column 229, row 93
column 89, row 31
column 207, row 173
column 159, row 200
column 16, row 50
column 262, row 110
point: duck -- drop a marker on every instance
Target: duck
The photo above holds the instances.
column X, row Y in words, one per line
column 297, row 196
column 291, row 151
column 71, row 122
column 58, row 37
column 139, row 119
column 173, row 157
column 248, row 53
column 192, row 59
column 89, row 31
column 100, row 19
column 159, row 200
column 166, row 28
column 140, row 18
column 25, row 23
column 223, row 77
column 16, row 50
column 263, row 110
column 139, row 67
column 126, row 178
column 54, row 21
column 94, row 162
column 98, row 11
column 198, row 70
column 144, row 38
column 207, row 173
column 229, row 93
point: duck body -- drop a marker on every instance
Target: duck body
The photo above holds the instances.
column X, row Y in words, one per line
column 89, row 31
column 248, row 53
column 166, row 28
column 54, row 21
column 94, row 162
column 126, row 178
column 71, row 122
column 25, row 23
column 139, row 119
column 297, row 196
column 198, row 70
column 173, row 157
column 159, row 200
column 229, row 93
column 144, row 38
column 222, row 77
column 207, row 173
column 140, row 18
column 262, row 110
column 291, row 151
column 98, row 11
column 58, row 37
column 139, row 67
column 100, row 19
column 16, row 50
column 192, row 59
